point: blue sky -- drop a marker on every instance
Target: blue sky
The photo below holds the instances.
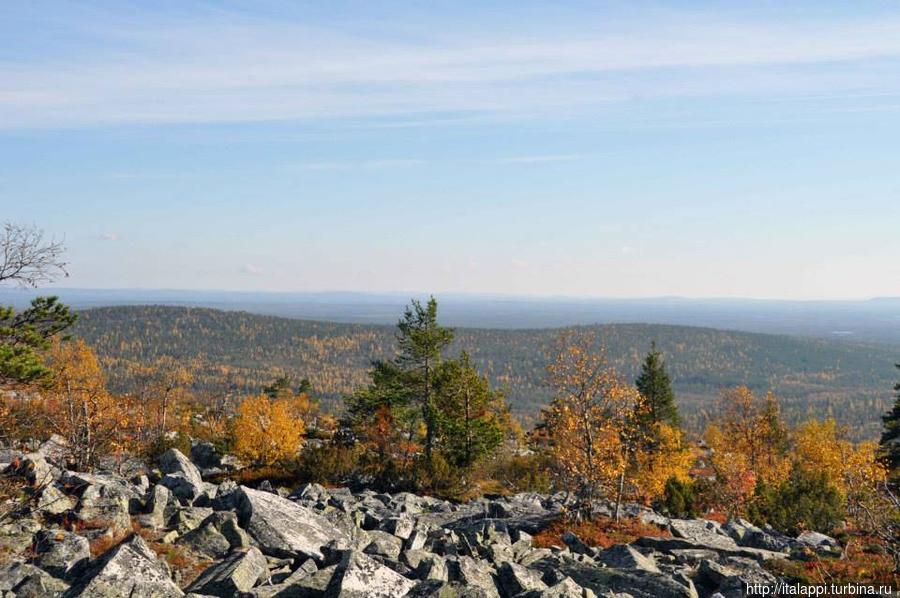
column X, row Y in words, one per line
column 620, row 149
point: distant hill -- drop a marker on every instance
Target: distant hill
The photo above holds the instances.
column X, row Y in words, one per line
column 873, row 320
column 239, row 352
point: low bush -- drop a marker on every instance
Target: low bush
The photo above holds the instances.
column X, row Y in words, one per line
column 804, row 501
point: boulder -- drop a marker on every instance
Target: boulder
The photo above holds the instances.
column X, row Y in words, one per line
column 237, row 573
column 474, row 573
column 61, row 553
column 384, row 544
column 359, row 576
column 515, row 579
column 282, row 527
column 53, row 501
column 157, row 505
column 182, row 477
column 105, row 505
column 623, row 556
column 34, row 468
column 125, row 571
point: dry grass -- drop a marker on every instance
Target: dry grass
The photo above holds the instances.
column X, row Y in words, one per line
column 602, row 532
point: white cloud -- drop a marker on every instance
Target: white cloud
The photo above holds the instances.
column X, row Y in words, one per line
column 237, row 68
column 109, row 237
column 539, row 159
column 252, row 270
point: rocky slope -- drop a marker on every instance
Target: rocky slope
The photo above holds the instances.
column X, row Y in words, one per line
column 317, row 542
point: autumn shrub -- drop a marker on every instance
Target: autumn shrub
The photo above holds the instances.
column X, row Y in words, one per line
column 178, row 440
column 328, row 463
column 602, row 532
column 863, row 562
column 437, row 477
column 804, row 501
column 513, row 473
column 267, row 431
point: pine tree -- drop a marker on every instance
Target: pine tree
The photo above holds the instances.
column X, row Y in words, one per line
column 468, row 413
column 422, row 341
column 889, row 446
column 655, row 386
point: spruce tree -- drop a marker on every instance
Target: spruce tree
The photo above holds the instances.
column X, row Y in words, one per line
column 890, row 437
column 655, row 386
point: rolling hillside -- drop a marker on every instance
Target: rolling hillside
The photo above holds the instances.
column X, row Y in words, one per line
column 238, row 352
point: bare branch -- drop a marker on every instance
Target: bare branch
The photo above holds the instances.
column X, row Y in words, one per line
column 27, row 258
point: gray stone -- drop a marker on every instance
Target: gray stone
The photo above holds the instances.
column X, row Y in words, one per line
column 359, row 576
column 53, row 501
column 128, row 570
column 566, row 588
column 206, row 540
column 182, row 477
column 474, row 573
column 157, row 506
column 623, row 556
column 515, row 579
column 237, row 573
column 106, row 505
column 186, row 519
column 17, row 535
column 816, row 540
column 34, row 468
column 282, row 527
column 61, row 553
column 384, row 544
column 402, row 527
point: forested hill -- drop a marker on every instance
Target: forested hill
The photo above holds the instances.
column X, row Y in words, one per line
column 238, row 352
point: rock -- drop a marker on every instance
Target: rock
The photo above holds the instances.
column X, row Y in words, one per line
column 817, row 540
column 714, row 578
column 702, row 532
column 61, row 553
column 186, row 519
column 602, row 580
column 182, row 477
column 417, row 539
column 128, row 570
column 53, row 501
column 402, row 527
column 358, row 576
column 106, row 505
column 237, row 573
column 384, row 544
column 671, row 545
column 17, row 535
column 34, row 468
column 623, row 556
column 515, row 579
column 55, row 450
column 562, row 589
column 18, row 577
column 576, row 545
column 282, row 527
column 204, row 455
column 206, row 540
column 157, row 505
column 40, row 585
column 433, row 568
column 474, row 573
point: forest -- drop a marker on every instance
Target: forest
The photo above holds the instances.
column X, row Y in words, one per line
column 236, row 353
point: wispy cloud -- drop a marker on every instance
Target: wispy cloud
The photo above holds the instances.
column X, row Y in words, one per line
column 539, row 159
column 252, row 270
column 109, row 237
column 230, row 67
column 364, row 164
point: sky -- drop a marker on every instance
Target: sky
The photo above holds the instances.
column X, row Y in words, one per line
column 606, row 149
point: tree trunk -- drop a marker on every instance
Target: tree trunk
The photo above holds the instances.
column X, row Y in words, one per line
column 619, row 494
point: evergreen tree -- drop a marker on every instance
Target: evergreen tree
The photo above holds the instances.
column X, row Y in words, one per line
column 889, row 446
column 24, row 336
column 421, row 342
column 468, row 412
column 655, row 386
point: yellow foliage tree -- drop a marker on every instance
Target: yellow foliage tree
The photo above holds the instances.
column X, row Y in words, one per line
column 748, row 442
column 78, row 407
column 591, row 424
column 669, row 456
column 266, row 430
column 822, row 446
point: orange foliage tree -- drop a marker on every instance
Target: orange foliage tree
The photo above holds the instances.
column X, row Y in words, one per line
column 748, row 443
column 592, row 423
column 77, row 405
column 266, row 431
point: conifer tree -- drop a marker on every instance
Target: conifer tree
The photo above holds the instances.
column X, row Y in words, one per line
column 889, row 445
column 655, row 386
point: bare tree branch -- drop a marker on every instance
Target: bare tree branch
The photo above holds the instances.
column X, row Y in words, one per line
column 27, row 258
